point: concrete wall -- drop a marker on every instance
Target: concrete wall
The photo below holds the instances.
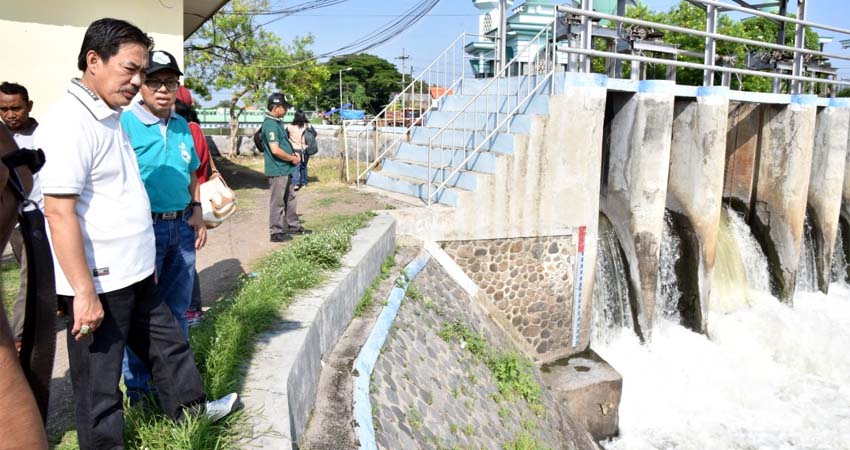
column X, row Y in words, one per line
column 635, row 189
column 742, row 140
column 826, row 183
column 694, row 192
column 549, row 186
column 283, row 376
column 785, row 158
column 42, row 38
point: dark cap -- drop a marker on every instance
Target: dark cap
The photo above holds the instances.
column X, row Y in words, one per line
column 278, row 99
column 162, row 60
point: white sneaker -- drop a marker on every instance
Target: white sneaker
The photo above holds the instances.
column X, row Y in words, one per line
column 219, row 409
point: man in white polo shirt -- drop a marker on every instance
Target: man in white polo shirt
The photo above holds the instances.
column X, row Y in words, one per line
column 101, row 233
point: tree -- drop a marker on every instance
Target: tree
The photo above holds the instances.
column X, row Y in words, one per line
column 231, row 52
column 369, row 84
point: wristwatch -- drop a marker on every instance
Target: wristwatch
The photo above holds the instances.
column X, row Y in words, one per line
column 194, row 204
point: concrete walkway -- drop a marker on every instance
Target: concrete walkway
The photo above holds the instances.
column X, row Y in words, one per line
column 283, row 377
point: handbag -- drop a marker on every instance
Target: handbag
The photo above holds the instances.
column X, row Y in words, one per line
column 218, row 201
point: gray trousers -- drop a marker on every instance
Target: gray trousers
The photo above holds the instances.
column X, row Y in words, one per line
column 16, row 240
column 283, row 206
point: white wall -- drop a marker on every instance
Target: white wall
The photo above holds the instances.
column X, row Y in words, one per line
column 41, row 39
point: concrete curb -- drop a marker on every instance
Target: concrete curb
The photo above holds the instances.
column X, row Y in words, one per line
column 283, row 378
column 365, row 362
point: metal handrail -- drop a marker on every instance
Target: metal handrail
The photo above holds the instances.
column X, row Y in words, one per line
column 518, row 58
column 768, row 15
column 699, row 66
column 478, row 148
column 372, row 125
column 690, row 31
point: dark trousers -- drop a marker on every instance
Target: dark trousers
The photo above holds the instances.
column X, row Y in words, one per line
column 135, row 316
column 283, row 206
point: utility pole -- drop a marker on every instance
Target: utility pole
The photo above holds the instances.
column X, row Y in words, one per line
column 404, row 57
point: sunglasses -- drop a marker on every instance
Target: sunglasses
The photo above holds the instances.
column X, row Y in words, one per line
column 154, row 84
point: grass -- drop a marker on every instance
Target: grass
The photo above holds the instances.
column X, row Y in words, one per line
column 414, row 419
column 524, row 440
column 222, row 344
column 225, row 341
column 512, row 371
column 368, row 297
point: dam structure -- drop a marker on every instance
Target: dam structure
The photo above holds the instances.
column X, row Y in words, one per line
column 586, row 195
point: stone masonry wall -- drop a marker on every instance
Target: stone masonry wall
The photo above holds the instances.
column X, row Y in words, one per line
column 528, row 287
column 431, row 394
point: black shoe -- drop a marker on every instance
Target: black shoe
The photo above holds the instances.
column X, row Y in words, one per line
column 300, row 230
column 280, row 237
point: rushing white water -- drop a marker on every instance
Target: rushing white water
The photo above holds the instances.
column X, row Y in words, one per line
column 770, row 377
column 668, row 293
column 611, row 310
column 740, row 269
column 807, row 272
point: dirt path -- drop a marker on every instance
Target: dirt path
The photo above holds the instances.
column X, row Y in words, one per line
column 232, row 250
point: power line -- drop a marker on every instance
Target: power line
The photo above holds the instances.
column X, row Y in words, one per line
column 374, row 39
column 306, row 6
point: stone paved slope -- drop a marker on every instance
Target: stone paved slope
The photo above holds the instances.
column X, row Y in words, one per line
column 430, row 394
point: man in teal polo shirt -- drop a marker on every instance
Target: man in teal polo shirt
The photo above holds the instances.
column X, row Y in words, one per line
column 280, row 163
column 167, row 160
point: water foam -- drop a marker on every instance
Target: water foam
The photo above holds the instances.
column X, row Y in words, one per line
column 771, row 376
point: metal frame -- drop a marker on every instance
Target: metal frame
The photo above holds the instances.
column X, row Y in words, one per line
column 520, row 61
column 444, row 70
column 577, row 32
column 713, row 7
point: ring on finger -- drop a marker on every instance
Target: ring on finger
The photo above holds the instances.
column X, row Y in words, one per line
column 85, row 329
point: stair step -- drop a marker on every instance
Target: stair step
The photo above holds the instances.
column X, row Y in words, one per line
column 412, row 169
column 410, row 186
column 537, row 104
column 463, row 139
column 472, row 86
column 520, row 123
column 483, row 162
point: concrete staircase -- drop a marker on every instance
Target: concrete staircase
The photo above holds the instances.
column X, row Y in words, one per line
column 406, row 170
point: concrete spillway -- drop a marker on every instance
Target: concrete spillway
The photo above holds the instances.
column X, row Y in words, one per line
column 633, row 151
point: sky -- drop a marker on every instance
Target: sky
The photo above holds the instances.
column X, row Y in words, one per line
column 336, row 26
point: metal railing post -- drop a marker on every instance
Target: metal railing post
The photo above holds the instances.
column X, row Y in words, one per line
column 710, row 44
column 554, row 49
column 799, row 43
column 780, row 39
column 586, row 35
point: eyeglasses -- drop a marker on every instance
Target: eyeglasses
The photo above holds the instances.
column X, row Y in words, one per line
column 155, row 83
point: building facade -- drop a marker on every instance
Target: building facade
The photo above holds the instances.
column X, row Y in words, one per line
column 523, row 24
column 42, row 38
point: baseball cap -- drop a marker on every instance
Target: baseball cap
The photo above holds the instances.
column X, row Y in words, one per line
column 161, row 60
column 278, row 99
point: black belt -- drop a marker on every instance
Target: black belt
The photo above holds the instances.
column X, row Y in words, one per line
column 171, row 215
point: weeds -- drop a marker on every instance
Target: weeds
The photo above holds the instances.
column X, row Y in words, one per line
column 414, row 419
column 513, row 372
column 524, row 440
column 367, row 299
column 413, row 292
